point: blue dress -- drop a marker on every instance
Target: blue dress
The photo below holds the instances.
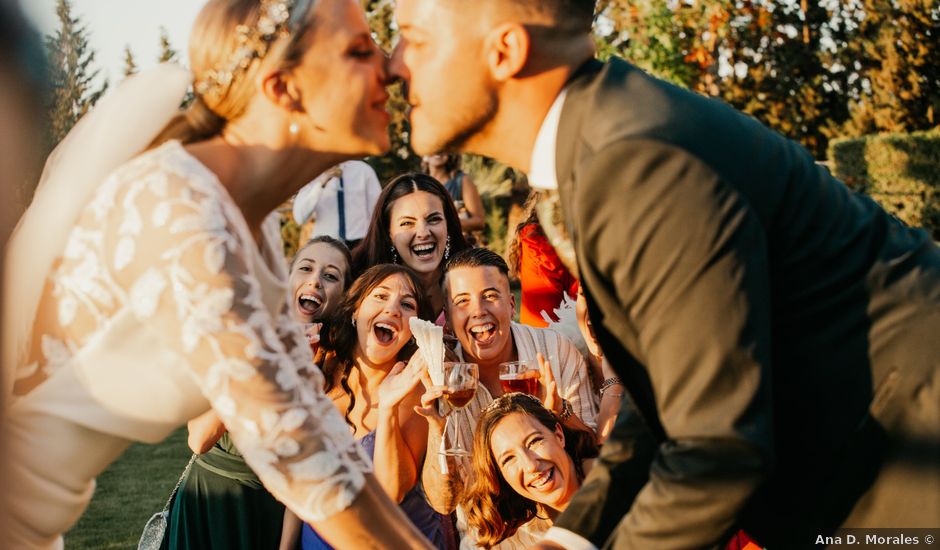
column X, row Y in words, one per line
column 414, row 505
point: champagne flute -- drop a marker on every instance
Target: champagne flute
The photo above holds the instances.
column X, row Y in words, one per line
column 460, row 384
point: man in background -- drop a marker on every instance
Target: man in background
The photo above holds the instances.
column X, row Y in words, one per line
column 338, row 203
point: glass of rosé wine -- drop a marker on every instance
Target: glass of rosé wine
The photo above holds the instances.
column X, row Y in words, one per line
column 460, row 383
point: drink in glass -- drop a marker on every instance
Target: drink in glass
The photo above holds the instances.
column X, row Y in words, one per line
column 518, row 376
column 460, row 384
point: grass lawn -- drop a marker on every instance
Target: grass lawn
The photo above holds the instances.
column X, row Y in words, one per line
column 128, row 493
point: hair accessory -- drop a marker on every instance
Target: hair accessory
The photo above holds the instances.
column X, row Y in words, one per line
column 278, row 18
column 447, row 249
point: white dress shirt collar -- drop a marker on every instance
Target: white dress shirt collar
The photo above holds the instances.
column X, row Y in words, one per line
column 542, row 166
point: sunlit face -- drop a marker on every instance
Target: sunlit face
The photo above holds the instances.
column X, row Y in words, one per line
column 440, row 57
column 382, row 320
column 418, row 230
column 533, row 461
column 479, row 306
column 341, row 80
column 584, row 323
column 317, row 281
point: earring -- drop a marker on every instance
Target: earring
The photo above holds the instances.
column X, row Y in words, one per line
column 353, row 322
column 294, row 128
column 447, row 249
column 394, row 254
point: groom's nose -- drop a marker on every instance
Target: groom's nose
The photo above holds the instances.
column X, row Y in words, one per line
column 396, row 66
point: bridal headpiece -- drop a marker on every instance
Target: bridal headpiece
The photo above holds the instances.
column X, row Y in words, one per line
column 277, row 19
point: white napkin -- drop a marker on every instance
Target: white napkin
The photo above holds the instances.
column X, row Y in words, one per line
column 430, row 340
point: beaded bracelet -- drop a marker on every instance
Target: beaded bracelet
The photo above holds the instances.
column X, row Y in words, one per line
column 608, row 382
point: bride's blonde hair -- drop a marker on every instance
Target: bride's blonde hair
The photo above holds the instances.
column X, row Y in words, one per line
column 218, row 38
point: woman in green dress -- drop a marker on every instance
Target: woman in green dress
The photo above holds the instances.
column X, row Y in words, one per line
column 221, row 504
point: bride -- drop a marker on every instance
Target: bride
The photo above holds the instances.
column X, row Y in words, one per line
column 141, row 290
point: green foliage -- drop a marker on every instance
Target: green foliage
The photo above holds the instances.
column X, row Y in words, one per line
column 898, row 48
column 900, row 171
column 71, row 74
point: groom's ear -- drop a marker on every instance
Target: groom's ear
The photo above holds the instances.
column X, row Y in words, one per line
column 279, row 88
column 506, row 48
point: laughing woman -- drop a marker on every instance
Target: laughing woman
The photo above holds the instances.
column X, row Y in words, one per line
column 416, row 224
column 526, row 467
column 362, row 352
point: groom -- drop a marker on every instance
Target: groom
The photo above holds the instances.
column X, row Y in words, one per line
column 778, row 333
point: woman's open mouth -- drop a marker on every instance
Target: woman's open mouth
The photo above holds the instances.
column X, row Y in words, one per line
column 309, row 304
column 543, row 480
column 424, row 251
column 384, row 333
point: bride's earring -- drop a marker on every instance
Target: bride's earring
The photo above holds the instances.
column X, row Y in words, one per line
column 294, row 128
column 394, row 254
column 447, row 249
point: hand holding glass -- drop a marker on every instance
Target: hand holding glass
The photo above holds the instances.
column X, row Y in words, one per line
column 460, row 384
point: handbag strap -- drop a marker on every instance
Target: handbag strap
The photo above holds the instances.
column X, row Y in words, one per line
column 180, row 481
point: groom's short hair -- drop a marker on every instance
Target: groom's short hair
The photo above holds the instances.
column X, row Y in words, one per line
column 564, row 15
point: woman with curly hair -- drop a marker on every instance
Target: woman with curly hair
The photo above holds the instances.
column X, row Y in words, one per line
column 363, row 349
column 526, row 466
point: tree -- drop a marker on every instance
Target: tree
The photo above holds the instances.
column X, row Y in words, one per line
column 167, row 53
column 130, row 67
column 71, row 73
column 899, row 47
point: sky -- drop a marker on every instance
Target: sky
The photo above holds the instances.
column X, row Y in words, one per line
column 112, row 24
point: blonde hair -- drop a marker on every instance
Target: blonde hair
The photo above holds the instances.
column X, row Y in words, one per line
column 213, row 42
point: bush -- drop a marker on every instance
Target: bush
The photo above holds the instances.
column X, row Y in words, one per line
column 900, row 171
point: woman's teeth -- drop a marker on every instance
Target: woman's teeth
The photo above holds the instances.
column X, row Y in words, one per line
column 543, row 479
column 385, row 332
column 309, row 302
column 423, row 250
column 482, row 332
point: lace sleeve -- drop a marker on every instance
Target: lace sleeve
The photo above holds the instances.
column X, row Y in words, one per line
column 178, row 246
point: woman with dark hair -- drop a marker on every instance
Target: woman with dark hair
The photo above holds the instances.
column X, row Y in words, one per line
column 526, row 466
column 445, row 168
column 362, row 350
column 415, row 224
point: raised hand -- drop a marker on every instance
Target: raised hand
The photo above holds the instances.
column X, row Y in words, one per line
column 548, row 388
column 399, row 382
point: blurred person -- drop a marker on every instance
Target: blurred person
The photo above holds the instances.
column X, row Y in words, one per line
column 364, row 348
column 445, row 168
column 23, row 88
column 338, row 203
column 480, row 306
column 141, row 293
column 543, row 278
column 526, row 467
column 776, row 331
column 221, row 503
column 415, row 224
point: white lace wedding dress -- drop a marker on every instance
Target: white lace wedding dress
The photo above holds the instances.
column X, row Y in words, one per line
column 161, row 303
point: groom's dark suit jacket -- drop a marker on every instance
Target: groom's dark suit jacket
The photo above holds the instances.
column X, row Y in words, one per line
column 778, row 333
